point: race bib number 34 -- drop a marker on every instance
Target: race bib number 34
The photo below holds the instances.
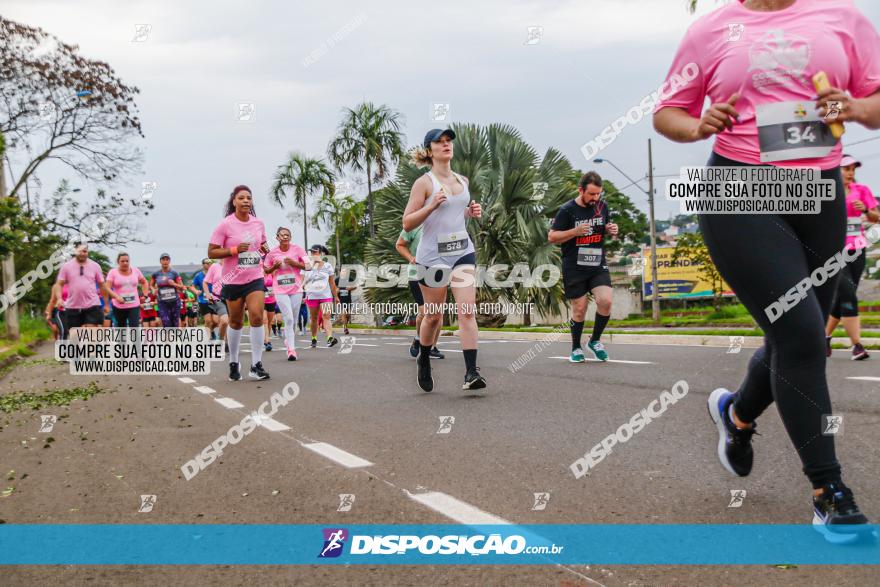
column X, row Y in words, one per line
column 792, row 130
column 452, row 244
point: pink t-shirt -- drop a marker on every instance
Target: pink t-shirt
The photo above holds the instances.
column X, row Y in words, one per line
column 213, row 277
column 288, row 280
column 81, row 288
column 247, row 265
column 126, row 286
column 771, row 57
column 855, row 234
column 270, row 292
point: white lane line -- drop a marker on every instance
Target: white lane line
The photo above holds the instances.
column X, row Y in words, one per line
column 364, row 344
column 204, row 389
column 865, row 378
column 346, row 459
column 270, row 424
column 612, row 361
column 186, row 380
column 445, row 350
column 228, row 402
column 455, row 509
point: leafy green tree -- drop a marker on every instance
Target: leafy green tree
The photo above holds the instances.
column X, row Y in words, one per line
column 692, row 247
column 368, row 140
column 342, row 216
column 300, row 178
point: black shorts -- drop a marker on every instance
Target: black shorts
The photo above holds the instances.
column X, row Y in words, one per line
column 205, row 309
column 580, row 284
column 191, row 313
column 271, row 307
column 442, row 275
column 344, row 305
column 416, row 292
column 234, row 291
column 74, row 318
column 128, row 317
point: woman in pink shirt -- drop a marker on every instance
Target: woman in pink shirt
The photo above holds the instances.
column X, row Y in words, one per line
column 239, row 240
column 859, row 201
column 122, row 289
column 755, row 60
column 285, row 263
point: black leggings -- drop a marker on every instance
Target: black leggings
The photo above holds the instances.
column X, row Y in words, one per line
column 762, row 256
column 846, row 302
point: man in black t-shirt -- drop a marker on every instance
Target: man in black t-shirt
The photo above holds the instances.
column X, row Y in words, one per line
column 344, row 304
column 580, row 227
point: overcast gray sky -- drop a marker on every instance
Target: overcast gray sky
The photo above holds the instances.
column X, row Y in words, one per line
column 595, row 59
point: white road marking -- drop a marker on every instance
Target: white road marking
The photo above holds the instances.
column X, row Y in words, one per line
column 455, row 509
column 204, row 389
column 269, row 423
column 865, row 378
column 364, row 344
column 346, row 459
column 186, row 380
column 611, row 361
column 228, row 402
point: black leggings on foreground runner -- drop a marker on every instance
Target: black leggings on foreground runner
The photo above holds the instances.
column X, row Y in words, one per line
column 762, row 256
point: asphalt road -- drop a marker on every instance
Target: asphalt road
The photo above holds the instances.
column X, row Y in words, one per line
column 360, row 426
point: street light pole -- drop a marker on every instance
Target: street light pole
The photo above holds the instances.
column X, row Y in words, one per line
column 655, row 298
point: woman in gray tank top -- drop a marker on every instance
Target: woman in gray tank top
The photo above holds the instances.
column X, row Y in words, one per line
column 440, row 203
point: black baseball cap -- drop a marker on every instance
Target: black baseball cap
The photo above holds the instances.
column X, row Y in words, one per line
column 435, row 134
column 164, row 256
column 319, row 249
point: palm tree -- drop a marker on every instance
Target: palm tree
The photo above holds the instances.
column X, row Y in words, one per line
column 502, row 170
column 368, row 140
column 338, row 214
column 299, row 178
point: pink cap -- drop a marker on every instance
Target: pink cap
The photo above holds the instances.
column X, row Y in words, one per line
column 849, row 160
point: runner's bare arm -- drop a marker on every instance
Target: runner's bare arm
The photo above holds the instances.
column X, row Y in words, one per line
column 333, row 288
column 560, row 236
column 416, row 212
column 404, row 251
column 676, row 124
column 218, row 252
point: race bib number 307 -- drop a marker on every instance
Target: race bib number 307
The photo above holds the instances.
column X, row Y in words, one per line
column 792, row 130
column 589, row 256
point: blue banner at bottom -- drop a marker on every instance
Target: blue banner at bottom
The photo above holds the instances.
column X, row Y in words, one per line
column 612, row 544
